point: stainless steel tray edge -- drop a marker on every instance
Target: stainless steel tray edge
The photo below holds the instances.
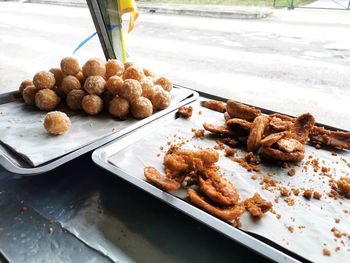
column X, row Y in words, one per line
column 12, row 162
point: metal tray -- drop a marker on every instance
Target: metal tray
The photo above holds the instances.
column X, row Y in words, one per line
column 12, row 162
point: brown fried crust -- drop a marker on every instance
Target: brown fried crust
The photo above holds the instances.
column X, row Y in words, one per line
column 256, row 132
column 277, row 124
column 220, row 130
column 257, row 206
column 302, row 127
column 274, row 137
column 241, row 111
column 215, row 105
column 282, row 117
column 276, row 154
column 185, row 112
column 289, row 145
column 228, row 214
column 239, row 123
column 336, row 139
column 156, row 178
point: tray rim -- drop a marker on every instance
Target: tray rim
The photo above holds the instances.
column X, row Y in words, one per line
column 11, row 162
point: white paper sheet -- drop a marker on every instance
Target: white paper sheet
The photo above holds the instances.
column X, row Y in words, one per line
column 312, row 219
column 21, row 128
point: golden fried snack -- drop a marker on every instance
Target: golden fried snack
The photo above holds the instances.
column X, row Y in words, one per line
column 128, row 64
column 336, row 139
column 277, row 124
column 148, row 73
column 302, row 127
column 220, row 130
column 343, row 187
column 114, row 85
column 282, row 117
column 58, row 74
column 130, row 90
column 236, row 123
column 92, row 104
column 257, row 206
column 228, row 214
column 185, row 112
column 95, row 85
column 80, row 76
column 241, row 111
column 24, row 84
column 215, row 105
column 47, row 99
column 148, row 88
column 114, row 67
column 165, row 83
column 119, row 107
column 70, row 83
column 94, row 67
column 276, row 154
column 161, row 100
column 274, row 137
column 75, row 98
column 256, row 132
column 289, row 145
column 70, row 66
column 44, row 80
column 133, row 72
column 56, row 122
column 141, row 108
column 29, row 95
column 156, row 178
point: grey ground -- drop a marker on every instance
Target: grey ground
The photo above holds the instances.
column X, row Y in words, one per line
column 292, row 61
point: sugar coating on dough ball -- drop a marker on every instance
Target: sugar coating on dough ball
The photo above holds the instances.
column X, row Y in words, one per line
column 56, row 122
column 80, row 76
column 165, row 83
column 95, row 85
column 29, row 95
column 70, row 66
column 114, row 67
column 92, row 104
column 114, row 85
column 46, row 99
column 128, row 64
column 44, row 80
column 148, row 73
column 24, row 84
column 133, row 72
column 94, row 67
column 161, row 100
column 58, row 74
column 119, row 107
column 148, row 88
column 130, row 89
column 75, row 98
column 141, row 107
column 70, row 83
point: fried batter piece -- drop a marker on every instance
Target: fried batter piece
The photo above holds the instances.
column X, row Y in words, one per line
column 219, row 130
column 343, row 187
column 239, row 123
column 257, row 206
column 336, row 139
column 228, row 214
column 277, row 124
column 302, row 127
column 282, row 117
column 256, row 132
column 274, row 137
column 290, row 145
column 230, row 142
column 218, row 189
column 215, row 105
column 241, row 111
column 227, row 116
column 185, row 112
column 277, row 154
column 156, row 178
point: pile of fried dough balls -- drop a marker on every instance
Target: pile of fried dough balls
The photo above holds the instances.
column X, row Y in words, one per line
column 123, row 89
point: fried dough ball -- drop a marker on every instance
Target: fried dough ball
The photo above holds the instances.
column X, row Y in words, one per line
column 74, row 99
column 95, row 85
column 92, row 104
column 148, row 73
column 80, row 76
column 59, row 92
column 119, row 107
column 56, row 122
column 128, row 64
column 133, row 72
column 46, row 99
column 130, row 90
column 148, row 88
column 58, row 74
column 114, row 85
column 114, row 67
column 141, row 108
column 29, row 95
column 94, row 67
column 24, row 84
column 165, row 83
column 70, row 66
column 70, row 83
column 44, row 80
column 161, row 100
column 153, row 79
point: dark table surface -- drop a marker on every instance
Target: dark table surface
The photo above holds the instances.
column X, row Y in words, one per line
column 81, row 213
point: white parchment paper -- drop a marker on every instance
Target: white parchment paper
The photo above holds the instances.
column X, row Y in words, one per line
column 21, row 129
column 312, row 219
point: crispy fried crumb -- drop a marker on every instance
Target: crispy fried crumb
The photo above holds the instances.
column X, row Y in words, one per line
column 316, row 195
column 291, row 229
column 230, row 151
column 318, row 146
column 291, row 172
column 198, row 133
column 326, row 252
column 337, row 249
column 185, row 112
column 257, row 206
column 284, row 191
column 343, row 187
column 296, row 191
column 307, row 193
column 254, row 177
column 269, row 182
column 334, row 153
column 337, row 220
column 158, row 154
column 242, row 162
column 219, row 146
column 290, row 201
column 285, row 165
column 251, row 158
column 315, row 165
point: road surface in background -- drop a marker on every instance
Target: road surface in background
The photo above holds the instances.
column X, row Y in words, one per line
column 293, row 62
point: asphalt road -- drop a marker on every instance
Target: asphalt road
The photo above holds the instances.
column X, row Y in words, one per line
column 293, row 62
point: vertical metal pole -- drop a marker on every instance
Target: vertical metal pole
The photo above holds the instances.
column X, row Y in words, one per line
column 291, row 6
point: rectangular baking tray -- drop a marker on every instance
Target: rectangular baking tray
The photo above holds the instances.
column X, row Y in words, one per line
column 255, row 242
column 12, row 162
